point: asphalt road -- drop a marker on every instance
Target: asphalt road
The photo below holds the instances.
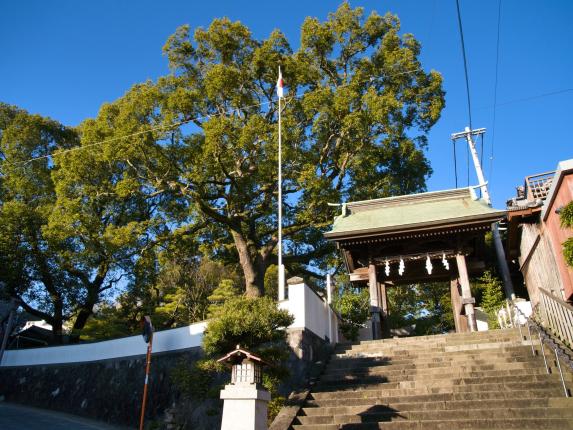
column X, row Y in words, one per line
column 16, row 417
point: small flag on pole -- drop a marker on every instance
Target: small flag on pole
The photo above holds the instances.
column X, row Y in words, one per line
column 280, row 85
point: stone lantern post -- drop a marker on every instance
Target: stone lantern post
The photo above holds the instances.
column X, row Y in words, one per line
column 245, row 400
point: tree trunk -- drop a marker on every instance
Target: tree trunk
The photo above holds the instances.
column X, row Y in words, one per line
column 57, row 321
column 254, row 281
column 57, row 324
column 87, row 308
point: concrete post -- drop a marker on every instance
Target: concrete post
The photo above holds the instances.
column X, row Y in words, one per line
column 384, row 309
column 245, row 407
column 374, row 302
column 328, row 303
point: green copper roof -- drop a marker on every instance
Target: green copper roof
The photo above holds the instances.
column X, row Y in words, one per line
column 412, row 212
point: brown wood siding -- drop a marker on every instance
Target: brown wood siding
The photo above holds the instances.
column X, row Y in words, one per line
column 538, row 263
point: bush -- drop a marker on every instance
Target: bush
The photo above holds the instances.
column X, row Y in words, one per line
column 253, row 323
column 354, row 309
column 492, row 298
column 566, row 217
column 258, row 325
column 198, row 380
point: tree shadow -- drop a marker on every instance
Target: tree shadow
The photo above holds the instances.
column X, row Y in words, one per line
column 373, row 415
column 354, row 374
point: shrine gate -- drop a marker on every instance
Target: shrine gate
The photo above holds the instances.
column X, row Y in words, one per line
column 427, row 237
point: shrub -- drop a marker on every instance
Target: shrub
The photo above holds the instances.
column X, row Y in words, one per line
column 354, row 309
column 249, row 322
column 492, row 298
column 566, row 217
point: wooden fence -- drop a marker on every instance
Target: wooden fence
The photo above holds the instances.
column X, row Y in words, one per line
column 557, row 316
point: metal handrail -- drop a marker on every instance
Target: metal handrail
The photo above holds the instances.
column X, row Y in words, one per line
column 544, row 337
column 557, row 315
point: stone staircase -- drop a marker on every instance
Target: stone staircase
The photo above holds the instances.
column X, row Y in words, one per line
column 486, row 380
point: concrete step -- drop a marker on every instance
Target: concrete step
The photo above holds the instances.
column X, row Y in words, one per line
column 401, row 349
column 432, row 405
column 523, row 354
column 514, row 337
column 445, row 366
column 463, row 424
column 491, row 348
column 447, row 337
column 475, row 396
column 381, row 413
column 396, row 389
column 430, row 375
column 474, row 381
column 383, row 382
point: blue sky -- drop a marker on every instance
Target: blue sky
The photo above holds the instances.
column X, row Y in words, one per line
column 64, row 59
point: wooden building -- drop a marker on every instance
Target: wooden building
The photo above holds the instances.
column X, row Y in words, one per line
column 535, row 235
column 435, row 236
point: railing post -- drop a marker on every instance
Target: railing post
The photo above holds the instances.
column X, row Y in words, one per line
column 561, row 374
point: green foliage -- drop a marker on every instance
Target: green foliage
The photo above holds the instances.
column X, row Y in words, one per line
column 428, row 306
column 224, row 291
column 178, row 292
column 76, row 225
column 357, row 130
column 492, row 297
column 566, row 217
column 108, row 322
column 198, row 380
column 254, row 323
column 250, row 322
column 354, row 309
column 271, row 382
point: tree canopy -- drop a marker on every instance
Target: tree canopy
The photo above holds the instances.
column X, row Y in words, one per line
column 354, row 127
column 188, row 163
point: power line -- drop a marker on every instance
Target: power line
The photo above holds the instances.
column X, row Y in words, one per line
column 465, row 63
column 186, row 121
column 525, row 99
column 495, row 89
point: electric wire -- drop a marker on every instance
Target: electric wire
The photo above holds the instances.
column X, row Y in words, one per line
column 171, row 126
column 465, row 63
column 495, row 90
column 463, row 45
column 525, row 99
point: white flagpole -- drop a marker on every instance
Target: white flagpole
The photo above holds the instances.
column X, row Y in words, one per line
column 281, row 292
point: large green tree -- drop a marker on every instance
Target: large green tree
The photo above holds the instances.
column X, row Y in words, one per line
column 71, row 222
column 30, row 262
column 354, row 127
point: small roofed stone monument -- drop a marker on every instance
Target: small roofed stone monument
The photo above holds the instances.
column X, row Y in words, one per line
column 245, row 400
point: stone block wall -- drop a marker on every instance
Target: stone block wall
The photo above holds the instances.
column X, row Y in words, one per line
column 109, row 390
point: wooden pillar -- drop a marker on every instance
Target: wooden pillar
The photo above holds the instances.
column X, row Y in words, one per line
column 467, row 299
column 384, row 309
column 460, row 321
column 374, row 302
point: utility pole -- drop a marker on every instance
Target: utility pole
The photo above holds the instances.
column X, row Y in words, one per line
column 14, row 304
column 499, row 251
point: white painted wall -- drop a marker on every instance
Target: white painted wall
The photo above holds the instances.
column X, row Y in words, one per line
column 167, row 340
column 309, row 310
column 481, row 319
